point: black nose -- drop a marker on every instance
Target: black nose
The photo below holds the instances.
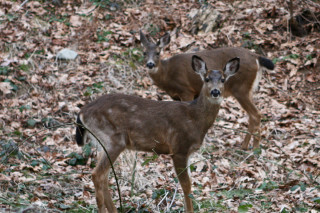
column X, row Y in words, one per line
column 150, row 65
column 215, row 93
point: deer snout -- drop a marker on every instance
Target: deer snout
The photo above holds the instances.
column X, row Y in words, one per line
column 215, row 93
column 150, row 65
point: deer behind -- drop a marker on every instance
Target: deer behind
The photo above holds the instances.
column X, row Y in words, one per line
column 176, row 77
column 165, row 127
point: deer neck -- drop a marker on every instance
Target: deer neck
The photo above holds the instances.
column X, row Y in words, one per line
column 158, row 73
column 206, row 110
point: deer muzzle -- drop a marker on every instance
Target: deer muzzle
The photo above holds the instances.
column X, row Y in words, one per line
column 215, row 93
column 150, row 65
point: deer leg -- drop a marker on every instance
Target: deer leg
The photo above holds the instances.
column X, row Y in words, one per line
column 100, row 176
column 254, row 121
column 180, row 165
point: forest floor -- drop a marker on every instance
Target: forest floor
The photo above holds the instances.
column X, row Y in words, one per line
column 43, row 170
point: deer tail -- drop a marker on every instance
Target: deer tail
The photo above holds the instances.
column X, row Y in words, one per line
column 80, row 132
column 265, row 62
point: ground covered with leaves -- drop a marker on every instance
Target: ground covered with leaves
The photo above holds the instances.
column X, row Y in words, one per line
column 43, row 170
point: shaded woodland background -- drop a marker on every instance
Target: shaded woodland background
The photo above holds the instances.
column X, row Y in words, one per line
column 43, row 170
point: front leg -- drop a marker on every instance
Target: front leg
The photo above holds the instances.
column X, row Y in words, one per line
column 180, row 165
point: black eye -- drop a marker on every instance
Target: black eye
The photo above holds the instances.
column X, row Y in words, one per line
column 206, row 79
column 157, row 53
column 144, row 53
column 222, row 80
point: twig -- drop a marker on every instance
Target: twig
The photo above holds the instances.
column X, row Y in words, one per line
column 173, row 198
column 21, row 5
column 312, row 3
column 162, row 199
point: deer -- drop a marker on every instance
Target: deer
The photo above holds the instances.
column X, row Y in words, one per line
column 173, row 128
column 176, row 77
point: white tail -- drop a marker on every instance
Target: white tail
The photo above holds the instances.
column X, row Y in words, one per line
column 174, row 128
column 176, row 77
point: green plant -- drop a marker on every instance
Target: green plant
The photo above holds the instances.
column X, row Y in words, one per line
column 10, row 149
column 135, row 54
column 244, row 207
column 301, row 185
column 78, row 159
column 211, row 206
column 150, row 158
column 102, row 35
column 239, row 193
column 101, row 3
column 156, row 194
column 95, row 88
column 14, row 87
column 153, row 30
column 291, row 56
column 4, row 70
column 268, row 185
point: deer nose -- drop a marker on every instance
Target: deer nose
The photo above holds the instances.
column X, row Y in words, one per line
column 215, row 93
column 150, row 65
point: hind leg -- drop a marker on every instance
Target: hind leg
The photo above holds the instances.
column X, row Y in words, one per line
column 254, row 121
column 101, row 173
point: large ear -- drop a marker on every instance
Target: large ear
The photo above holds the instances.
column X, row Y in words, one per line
column 199, row 66
column 164, row 40
column 143, row 39
column 231, row 67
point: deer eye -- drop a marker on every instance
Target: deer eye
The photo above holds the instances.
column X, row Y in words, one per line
column 222, row 80
column 157, row 53
column 206, row 79
column 144, row 53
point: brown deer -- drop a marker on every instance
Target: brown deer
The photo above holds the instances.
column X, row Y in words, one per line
column 176, row 77
column 166, row 127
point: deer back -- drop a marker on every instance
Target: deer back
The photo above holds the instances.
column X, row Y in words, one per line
column 176, row 76
column 149, row 125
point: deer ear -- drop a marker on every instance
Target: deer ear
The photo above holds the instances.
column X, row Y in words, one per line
column 164, row 40
column 231, row 67
column 143, row 39
column 199, row 66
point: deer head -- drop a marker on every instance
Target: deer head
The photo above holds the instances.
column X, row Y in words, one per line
column 153, row 50
column 214, row 80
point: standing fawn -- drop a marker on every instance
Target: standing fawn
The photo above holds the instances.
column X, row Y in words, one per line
column 176, row 77
column 165, row 127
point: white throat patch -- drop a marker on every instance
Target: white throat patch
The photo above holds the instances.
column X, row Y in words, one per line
column 153, row 70
column 215, row 100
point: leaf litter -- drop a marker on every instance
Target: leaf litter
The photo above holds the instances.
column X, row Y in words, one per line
column 38, row 89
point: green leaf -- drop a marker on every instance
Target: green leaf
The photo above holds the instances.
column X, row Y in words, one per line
column 63, row 206
column 31, row 123
column 244, row 207
column 191, row 196
column 293, row 188
column 257, row 151
column 146, row 162
column 157, row 193
column 46, row 167
column 303, row 187
column 316, row 200
column 87, row 150
column 72, row 162
column 34, row 163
